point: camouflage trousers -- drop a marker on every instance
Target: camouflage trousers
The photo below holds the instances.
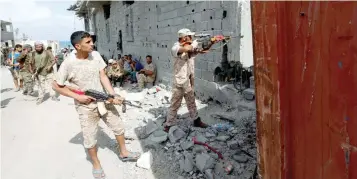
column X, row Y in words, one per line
column 44, row 83
column 28, row 82
column 177, row 95
column 142, row 79
column 89, row 118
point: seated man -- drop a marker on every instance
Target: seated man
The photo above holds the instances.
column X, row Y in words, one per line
column 135, row 66
column 110, row 61
column 147, row 75
column 116, row 73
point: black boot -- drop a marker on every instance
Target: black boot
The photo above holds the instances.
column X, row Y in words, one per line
column 198, row 123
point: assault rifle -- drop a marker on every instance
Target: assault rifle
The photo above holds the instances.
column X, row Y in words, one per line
column 101, row 98
column 206, row 40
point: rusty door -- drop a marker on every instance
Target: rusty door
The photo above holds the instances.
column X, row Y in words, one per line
column 305, row 56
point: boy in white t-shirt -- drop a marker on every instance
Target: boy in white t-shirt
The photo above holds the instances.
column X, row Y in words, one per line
column 84, row 70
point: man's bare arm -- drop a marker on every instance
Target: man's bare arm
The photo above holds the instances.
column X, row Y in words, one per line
column 148, row 72
column 186, row 48
column 106, row 83
column 64, row 90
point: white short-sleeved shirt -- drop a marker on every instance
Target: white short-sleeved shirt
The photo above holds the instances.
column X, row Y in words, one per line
column 82, row 74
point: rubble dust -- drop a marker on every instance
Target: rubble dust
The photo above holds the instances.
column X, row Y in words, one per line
column 175, row 154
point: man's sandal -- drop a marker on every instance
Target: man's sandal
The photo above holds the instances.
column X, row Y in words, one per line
column 132, row 157
column 98, row 173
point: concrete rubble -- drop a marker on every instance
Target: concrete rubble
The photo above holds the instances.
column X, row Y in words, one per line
column 175, row 152
column 145, row 160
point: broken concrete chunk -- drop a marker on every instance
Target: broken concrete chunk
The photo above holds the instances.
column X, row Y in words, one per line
column 186, row 165
column 214, row 155
column 209, row 174
column 175, row 133
column 201, row 138
column 204, row 161
column 233, row 145
column 209, row 135
column 219, row 168
column 188, row 156
column 145, row 160
column 150, row 127
column 222, row 138
column 158, row 136
column 199, row 149
column 240, row 158
column 187, row 144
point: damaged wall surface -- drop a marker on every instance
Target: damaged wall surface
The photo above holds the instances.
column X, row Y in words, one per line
column 150, row 28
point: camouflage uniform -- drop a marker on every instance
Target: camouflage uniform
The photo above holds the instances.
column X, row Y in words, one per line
column 25, row 72
column 45, row 74
column 142, row 78
column 84, row 75
column 116, row 74
column 181, row 87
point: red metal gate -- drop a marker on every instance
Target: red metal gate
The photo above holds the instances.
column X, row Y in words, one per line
column 305, row 56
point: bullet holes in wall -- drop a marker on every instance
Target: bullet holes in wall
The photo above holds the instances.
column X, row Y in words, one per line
column 120, row 42
column 224, row 15
column 129, row 26
column 204, row 9
column 128, row 3
column 106, row 9
column 193, row 10
column 193, row 21
column 168, row 25
column 187, row 2
column 157, row 26
column 210, row 17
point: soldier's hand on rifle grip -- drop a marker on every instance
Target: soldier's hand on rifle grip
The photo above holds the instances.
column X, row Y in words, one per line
column 118, row 100
column 84, row 99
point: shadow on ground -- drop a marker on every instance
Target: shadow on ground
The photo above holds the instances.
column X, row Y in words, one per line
column 5, row 102
column 5, row 90
column 103, row 141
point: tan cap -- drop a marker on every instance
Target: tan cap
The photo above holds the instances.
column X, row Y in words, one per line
column 185, row 32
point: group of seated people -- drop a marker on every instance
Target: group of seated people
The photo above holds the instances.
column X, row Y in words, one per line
column 125, row 69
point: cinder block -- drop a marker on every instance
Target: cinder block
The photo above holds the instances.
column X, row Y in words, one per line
column 227, row 24
column 201, row 6
column 212, row 66
column 198, row 73
column 207, row 75
column 202, row 26
column 207, row 15
column 201, row 64
column 215, row 4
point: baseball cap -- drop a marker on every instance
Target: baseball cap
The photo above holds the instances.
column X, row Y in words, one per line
column 110, row 61
column 185, row 32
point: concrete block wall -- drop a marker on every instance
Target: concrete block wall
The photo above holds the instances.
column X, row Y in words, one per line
column 155, row 27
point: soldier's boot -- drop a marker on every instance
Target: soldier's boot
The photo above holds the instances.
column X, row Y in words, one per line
column 25, row 92
column 198, row 123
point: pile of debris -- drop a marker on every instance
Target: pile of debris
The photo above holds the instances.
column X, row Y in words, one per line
column 224, row 150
